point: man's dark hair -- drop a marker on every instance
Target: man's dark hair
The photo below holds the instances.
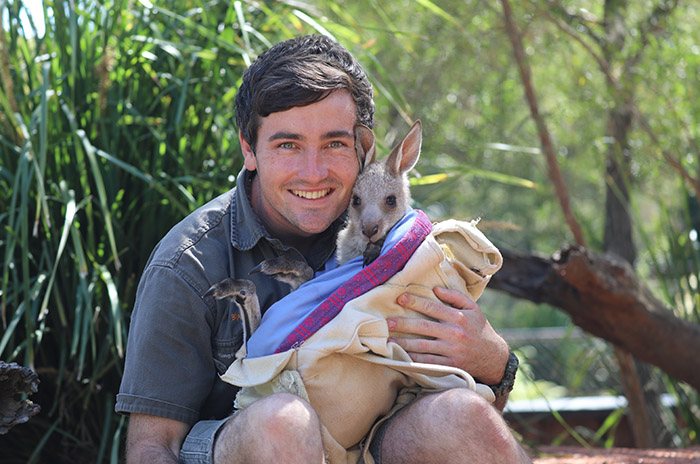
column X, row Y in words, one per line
column 299, row 72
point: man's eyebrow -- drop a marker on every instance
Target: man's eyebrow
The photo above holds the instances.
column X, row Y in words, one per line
column 337, row 134
column 284, row 135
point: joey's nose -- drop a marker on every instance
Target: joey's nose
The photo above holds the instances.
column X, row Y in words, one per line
column 370, row 231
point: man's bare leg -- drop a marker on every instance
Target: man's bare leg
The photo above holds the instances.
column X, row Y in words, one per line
column 454, row 426
column 277, row 428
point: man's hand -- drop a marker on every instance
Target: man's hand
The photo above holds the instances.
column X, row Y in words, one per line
column 460, row 336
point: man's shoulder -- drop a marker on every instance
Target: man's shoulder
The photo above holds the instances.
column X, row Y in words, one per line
column 205, row 230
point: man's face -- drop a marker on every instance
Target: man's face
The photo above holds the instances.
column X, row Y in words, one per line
column 307, row 165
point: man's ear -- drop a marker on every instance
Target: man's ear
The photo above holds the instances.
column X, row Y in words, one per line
column 249, row 159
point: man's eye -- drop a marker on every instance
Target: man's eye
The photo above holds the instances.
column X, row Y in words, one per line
column 336, row 144
column 287, row 145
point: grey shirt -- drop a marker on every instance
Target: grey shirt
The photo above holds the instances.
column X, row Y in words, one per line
column 179, row 343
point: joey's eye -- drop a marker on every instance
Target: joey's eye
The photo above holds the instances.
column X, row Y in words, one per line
column 391, row 200
column 356, row 200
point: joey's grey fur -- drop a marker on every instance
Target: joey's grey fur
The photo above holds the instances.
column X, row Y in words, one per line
column 381, row 194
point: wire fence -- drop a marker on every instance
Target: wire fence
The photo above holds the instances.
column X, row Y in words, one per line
column 567, row 357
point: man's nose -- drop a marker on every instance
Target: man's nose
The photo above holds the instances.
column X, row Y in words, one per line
column 313, row 165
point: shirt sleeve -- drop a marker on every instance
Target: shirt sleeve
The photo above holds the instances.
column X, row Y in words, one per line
column 169, row 367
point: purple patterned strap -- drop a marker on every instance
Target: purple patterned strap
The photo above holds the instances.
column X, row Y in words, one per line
column 378, row 272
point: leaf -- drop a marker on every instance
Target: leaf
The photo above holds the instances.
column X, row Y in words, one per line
column 500, row 177
column 427, row 180
column 441, row 13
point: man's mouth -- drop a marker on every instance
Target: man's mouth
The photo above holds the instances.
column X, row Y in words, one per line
column 313, row 195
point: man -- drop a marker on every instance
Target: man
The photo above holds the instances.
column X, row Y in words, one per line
column 296, row 110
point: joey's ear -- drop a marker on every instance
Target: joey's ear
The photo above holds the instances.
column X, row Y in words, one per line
column 364, row 145
column 249, row 159
column 405, row 155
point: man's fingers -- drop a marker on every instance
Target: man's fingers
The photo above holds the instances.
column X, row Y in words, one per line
column 430, row 359
column 455, row 298
column 425, row 327
column 433, row 309
column 420, row 349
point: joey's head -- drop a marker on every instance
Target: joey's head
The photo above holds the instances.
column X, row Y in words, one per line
column 381, row 194
column 240, row 290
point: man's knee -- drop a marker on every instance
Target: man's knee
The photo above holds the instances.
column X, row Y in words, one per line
column 443, row 426
column 462, row 414
column 461, row 406
column 283, row 414
column 479, row 426
column 277, row 425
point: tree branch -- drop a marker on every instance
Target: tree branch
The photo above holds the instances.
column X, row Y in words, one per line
column 675, row 164
column 602, row 63
column 603, row 296
column 580, row 21
column 650, row 26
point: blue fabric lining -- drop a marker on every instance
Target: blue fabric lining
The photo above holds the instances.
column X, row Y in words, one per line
column 288, row 313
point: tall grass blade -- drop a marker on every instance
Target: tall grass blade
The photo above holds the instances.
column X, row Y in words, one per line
column 71, row 209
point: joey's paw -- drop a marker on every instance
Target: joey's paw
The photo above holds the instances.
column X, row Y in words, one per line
column 372, row 252
column 232, row 288
column 285, row 269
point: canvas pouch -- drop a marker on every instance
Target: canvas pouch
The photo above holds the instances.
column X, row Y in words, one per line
column 349, row 371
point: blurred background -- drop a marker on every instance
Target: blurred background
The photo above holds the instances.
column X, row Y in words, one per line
column 117, row 120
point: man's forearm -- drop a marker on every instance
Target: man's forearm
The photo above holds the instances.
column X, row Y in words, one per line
column 154, row 440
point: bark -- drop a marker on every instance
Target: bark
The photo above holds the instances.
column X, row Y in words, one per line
column 16, row 381
column 604, row 297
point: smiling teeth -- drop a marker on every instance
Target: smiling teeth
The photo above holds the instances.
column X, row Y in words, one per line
column 316, row 194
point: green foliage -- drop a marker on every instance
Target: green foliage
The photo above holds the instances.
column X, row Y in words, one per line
column 118, row 121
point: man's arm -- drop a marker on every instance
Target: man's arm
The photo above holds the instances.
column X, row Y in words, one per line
column 154, row 440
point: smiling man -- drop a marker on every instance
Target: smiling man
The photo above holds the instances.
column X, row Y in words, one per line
column 296, row 110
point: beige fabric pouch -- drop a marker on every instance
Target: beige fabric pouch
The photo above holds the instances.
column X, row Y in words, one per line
column 349, row 371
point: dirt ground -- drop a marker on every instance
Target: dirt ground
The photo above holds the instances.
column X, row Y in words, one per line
column 574, row 455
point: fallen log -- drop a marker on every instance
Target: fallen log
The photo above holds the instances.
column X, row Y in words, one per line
column 603, row 296
column 15, row 381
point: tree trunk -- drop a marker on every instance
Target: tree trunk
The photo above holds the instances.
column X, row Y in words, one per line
column 645, row 408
